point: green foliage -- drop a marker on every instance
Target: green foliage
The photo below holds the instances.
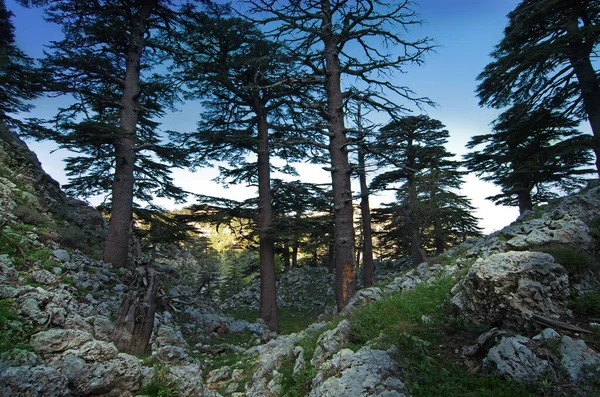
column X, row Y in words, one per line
column 28, row 214
column 400, row 312
column 236, row 266
column 161, row 384
column 576, row 262
column 13, row 333
column 586, row 304
column 43, row 257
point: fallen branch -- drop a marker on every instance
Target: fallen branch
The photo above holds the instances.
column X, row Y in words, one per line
column 558, row 324
column 217, row 350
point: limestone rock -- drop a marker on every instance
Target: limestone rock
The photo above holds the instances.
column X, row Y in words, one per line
column 61, row 255
column 576, row 355
column 364, row 373
column 58, row 340
column 505, row 288
column 188, row 380
column 43, row 277
column 32, row 382
column 103, row 328
column 172, row 355
column 511, row 357
column 219, row 375
column 330, row 342
column 362, row 298
column 271, row 356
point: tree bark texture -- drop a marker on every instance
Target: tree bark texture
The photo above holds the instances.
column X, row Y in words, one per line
column 268, row 300
column 365, row 212
column 345, row 277
column 119, row 229
column 135, row 320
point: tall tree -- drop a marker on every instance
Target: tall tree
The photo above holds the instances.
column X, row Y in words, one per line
column 546, row 56
column 246, row 82
column 411, row 146
column 18, row 76
column 321, row 33
column 530, row 154
column 105, row 64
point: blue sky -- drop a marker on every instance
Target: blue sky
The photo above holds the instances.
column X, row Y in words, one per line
column 465, row 32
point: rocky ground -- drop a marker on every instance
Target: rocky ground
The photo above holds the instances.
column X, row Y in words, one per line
column 515, row 290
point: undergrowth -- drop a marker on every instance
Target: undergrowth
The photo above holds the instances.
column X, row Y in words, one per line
column 425, row 336
column 13, row 333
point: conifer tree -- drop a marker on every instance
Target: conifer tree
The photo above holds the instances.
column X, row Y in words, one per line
column 19, row 79
column 321, row 34
column 426, row 180
column 105, row 64
column 547, row 57
column 530, row 154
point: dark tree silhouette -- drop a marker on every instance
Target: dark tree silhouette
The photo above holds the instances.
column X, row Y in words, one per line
column 19, row 79
column 321, row 34
column 547, row 57
column 530, row 154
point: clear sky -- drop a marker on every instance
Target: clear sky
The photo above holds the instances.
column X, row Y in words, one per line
column 465, row 32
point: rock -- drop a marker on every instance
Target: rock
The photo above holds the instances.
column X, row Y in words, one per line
column 188, row 380
column 44, row 277
column 219, row 375
column 96, row 350
column 506, row 288
column 103, row 328
column 300, row 363
column 30, row 307
column 512, row 358
column 61, row 255
column 546, row 334
column 33, row 382
column 18, row 357
column 237, row 375
column 172, row 355
column 8, row 273
column 58, row 340
column 118, row 376
column 168, row 336
column 330, row 342
column 364, row 373
column 271, row 356
column 576, row 355
column 362, row 298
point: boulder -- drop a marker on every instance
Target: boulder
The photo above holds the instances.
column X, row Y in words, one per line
column 172, row 355
column 44, row 277
column 364, row 373
column 219, row 375
column 58, row 340
column 33, row 382
column 576, row 356
column 511, row 357
column 271, row 356
column 188, row 380
column 507, row 288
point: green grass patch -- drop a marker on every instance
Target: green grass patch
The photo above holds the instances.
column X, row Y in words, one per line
column 161, row 385
column 400, row 312
column 13, row 333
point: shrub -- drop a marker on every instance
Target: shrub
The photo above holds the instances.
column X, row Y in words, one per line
column 29, row 214
column 13, row 333
column 576, row 262
column 587, row 304
column 161, row 385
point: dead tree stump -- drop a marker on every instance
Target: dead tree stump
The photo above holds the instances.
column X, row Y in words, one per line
column 135, row 319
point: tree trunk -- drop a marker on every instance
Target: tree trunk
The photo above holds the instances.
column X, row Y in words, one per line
column 135, row 320
column 416, row 245
column 295, row 253
column 268, row 300
column 345, row 275
column 365, row 211
column 285, row 256
column 588, row 83
column 524, row 199
column 119, row 229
